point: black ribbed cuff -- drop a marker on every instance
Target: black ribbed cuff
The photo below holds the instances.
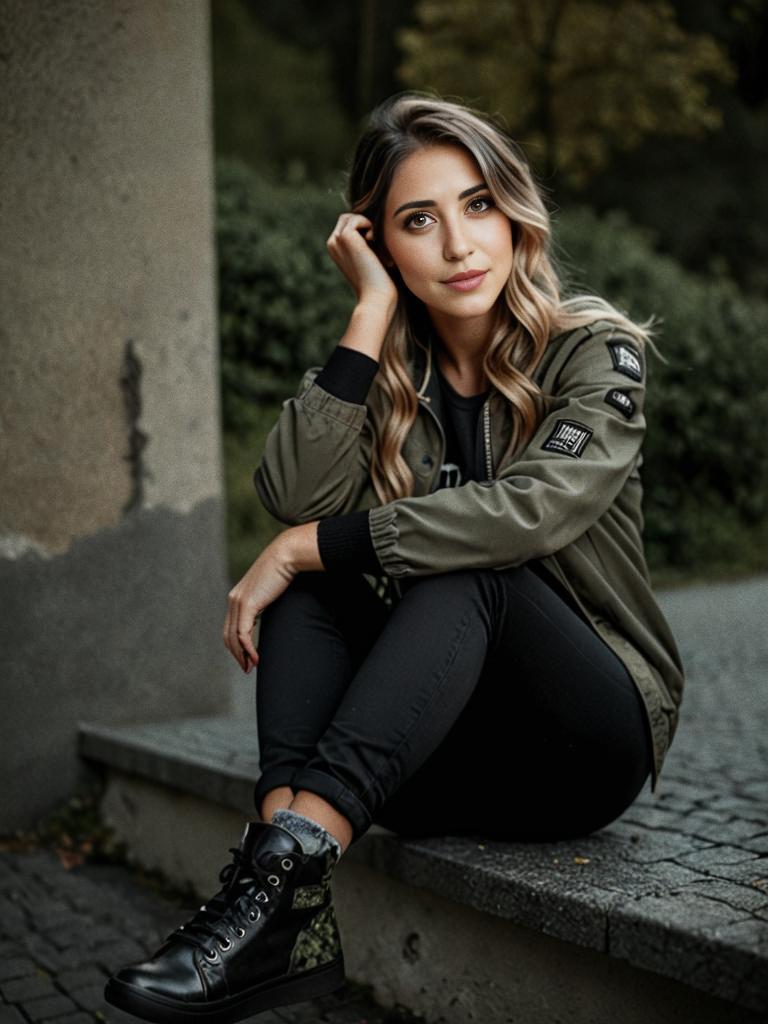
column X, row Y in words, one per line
column 345, row 544
column 348, row 374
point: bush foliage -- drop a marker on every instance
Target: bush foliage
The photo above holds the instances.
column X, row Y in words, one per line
column 284, row 305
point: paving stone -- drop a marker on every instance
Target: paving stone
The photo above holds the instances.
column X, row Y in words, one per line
column 111, row 1015
column 54, row 960
column 10, row 1015
column 90, row 998
column 73, row 1018
column 747, row 871
column 114, row 955
column 12, row 916
column 674, row 876
column 27, row 988
column 737, row 831
column 740, row 897
column 71, row 981
column 16, row 968
column 8, row 875
column 45, row 1009
column 717, row 856
column 101, row 934
column 759, row 844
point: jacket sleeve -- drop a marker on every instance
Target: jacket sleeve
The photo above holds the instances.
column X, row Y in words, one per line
column 564, row 480
column 316, row 457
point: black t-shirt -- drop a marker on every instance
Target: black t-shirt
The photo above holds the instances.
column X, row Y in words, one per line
column 464, row 455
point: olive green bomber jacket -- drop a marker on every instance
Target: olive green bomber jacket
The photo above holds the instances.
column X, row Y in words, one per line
column 571, row 497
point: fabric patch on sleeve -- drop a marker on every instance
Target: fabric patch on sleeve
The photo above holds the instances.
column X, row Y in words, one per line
column 568, row 438
column 620, row 400
column 626, row 359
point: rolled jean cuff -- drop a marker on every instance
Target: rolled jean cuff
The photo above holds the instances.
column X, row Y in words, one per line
column 338, row 795
column 281, row 775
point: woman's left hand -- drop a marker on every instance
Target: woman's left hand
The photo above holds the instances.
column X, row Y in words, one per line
column 265, row 581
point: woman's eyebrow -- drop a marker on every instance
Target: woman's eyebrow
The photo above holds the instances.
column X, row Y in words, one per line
column 431, row 202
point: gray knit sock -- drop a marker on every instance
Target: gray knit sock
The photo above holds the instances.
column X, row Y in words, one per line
column 311, row 834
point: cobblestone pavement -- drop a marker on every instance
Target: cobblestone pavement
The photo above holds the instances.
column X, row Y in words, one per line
column 713, row 784
column 63, row 931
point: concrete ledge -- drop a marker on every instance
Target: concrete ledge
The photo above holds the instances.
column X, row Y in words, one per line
column 215, row 758
column 444, row 960
column 676, row 904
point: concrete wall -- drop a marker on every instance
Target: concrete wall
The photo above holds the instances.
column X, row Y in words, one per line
column 112, row 574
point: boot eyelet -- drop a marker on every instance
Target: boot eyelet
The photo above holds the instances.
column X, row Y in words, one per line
column 240, row 932
column 262, row 897
column 254, row 917
column 286, row 863
column 210, row 954
column 225, row 948
column 273, row 879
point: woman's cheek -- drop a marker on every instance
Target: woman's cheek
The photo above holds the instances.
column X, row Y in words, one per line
column 413, row 275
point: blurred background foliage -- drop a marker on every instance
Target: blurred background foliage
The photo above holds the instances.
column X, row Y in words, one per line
column 647, row 124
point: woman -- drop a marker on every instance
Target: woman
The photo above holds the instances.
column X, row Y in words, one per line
column 457, row 630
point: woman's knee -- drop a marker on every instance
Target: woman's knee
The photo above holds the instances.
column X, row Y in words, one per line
column 473, row 588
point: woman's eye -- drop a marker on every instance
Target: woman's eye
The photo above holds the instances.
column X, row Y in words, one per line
column 411, row 221
column 413, row 217
column 482, row 199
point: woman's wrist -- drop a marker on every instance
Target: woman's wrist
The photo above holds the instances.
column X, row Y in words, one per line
column 368, row 326
column 376, row 306
column 297, row 548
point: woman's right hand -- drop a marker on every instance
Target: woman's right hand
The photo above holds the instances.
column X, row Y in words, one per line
column 350, row 249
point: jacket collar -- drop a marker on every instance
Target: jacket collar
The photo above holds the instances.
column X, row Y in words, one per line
column 427, row 384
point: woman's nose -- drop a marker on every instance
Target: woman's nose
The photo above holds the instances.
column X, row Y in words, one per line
column 456, row 245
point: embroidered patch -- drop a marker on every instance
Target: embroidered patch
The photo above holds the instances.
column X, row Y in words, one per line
column 309, row 896
column 626, row 359
column 569, row 438
column 621, row 401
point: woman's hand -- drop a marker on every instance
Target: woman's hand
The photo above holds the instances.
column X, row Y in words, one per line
column 290, row 552
column 350, row 248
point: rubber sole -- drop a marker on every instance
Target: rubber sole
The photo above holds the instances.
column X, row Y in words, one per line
column 288, row 988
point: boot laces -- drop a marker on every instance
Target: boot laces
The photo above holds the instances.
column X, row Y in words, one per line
column 226, row 917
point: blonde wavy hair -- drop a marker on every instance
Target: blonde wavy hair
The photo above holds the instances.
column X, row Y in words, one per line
column 530, row 310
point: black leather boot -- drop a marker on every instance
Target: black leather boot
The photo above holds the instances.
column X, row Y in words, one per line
column 268, row 937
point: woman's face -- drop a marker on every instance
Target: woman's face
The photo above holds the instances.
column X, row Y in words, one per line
column 450, row 224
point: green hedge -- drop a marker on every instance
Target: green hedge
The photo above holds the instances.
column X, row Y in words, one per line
column 284, row 305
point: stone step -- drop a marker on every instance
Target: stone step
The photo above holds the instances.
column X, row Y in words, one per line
column 666, row 909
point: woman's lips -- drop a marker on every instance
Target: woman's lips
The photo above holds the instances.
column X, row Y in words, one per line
column 468, row 283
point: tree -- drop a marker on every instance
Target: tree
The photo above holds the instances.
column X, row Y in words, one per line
column 573, row 81
column 275, row 104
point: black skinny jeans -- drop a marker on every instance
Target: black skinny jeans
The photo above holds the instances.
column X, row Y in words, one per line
column 481, row 703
